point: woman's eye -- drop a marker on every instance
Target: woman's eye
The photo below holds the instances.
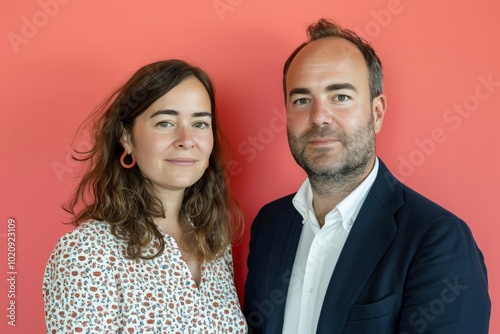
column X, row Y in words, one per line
column 164, row 124
column 201, row 125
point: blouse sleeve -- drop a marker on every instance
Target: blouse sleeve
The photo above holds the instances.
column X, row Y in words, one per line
column 79, row 292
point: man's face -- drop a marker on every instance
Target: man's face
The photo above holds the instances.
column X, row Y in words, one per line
column 331, row 122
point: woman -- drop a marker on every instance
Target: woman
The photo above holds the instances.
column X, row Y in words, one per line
column 151, row 252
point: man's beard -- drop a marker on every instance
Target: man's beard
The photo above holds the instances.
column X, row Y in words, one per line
column 358, row 147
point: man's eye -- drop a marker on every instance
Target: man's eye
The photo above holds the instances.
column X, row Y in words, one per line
column 301, row 101
column 342, row 98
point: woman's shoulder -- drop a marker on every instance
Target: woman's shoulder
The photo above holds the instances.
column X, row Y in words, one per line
column 91, row 237
column 89, row 231
column 86, row 254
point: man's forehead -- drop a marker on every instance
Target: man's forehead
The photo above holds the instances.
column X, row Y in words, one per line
column 331, row 56
column 326, row 62
column 327, row 51
column 322, row 67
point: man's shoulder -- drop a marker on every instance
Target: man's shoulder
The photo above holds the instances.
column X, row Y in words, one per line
column 272, row 211
column 278, row 205
column 421, row 205
column 388, row 188
column 276, row 217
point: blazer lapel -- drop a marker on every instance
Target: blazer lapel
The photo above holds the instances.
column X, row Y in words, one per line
column 281, row 258
column 368, row 240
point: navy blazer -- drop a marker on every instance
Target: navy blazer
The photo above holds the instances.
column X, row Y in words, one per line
column 408, row 266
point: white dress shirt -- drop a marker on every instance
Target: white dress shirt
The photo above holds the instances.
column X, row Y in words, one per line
column 317, row 254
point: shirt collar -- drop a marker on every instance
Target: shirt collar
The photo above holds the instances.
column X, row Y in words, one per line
column 349, row 207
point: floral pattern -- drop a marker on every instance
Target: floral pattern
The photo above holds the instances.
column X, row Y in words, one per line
column 90, row 287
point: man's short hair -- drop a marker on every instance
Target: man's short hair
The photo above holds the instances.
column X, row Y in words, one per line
column 325, row 29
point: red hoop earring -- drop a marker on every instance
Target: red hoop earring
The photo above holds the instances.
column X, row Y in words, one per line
column 122, row 160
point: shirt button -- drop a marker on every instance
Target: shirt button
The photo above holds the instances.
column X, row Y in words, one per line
column 319, row 243
column 350, row 222
column 310, row 290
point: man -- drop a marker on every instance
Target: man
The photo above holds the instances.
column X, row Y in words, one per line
column 354, row 250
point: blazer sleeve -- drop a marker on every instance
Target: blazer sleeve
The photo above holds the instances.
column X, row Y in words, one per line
column 78, row 290
column 446, row 289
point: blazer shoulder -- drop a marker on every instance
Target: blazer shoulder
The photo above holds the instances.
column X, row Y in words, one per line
column 398, row 198
column 272, row 212
column 421, row 205
column 279, row 205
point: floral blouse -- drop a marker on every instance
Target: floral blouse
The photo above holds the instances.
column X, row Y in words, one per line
column 89, row 287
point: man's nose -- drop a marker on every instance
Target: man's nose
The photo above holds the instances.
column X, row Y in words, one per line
column 321, row 113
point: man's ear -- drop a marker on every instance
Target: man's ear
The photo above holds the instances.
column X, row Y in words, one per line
column 379, row 105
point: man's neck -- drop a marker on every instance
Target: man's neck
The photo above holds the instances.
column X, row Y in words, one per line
column 329, row 191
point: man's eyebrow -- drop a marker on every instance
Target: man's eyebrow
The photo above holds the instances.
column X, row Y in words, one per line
column 176, row 113
column 329, row 88
column 299, row 91
column 339, row 86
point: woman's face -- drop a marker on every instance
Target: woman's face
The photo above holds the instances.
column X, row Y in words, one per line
column 172, row 139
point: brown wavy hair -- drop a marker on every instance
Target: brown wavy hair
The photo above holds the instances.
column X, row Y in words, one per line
column 125, row 199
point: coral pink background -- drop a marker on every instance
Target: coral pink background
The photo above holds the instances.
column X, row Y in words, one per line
column 60, row 58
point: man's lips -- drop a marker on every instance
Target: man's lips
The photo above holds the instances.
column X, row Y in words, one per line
column 323, row 141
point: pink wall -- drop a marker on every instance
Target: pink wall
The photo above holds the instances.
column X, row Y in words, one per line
column 59, row 59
